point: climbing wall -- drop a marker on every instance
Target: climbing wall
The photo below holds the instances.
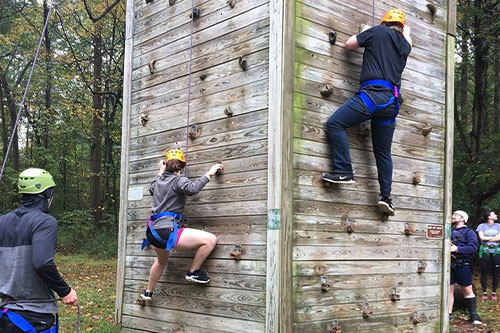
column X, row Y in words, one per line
column 383, row 275
column 228, row 122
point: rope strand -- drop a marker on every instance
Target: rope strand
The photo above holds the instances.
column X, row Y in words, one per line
column 25, row 92
column 190, row 82
column 373, row 14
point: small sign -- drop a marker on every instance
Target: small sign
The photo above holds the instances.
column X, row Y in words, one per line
column 435, row 231
column 135, row 193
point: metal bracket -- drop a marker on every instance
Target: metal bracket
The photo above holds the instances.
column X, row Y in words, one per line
column 416, row 179
column 334, row 327
column 414, row 318
column 422, row 265
column 243, row 63
column 194, row 132
column 332, row 37
column 237, row 252
column 228, row 111
column 325, row 286
column 409, row 229
column 348, row 223
column 152, row 66
column 144, row 119
column 195, row 14
column 394, row 295
column 326, row 91
column 367, row 311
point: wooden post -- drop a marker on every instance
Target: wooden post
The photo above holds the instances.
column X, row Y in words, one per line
column 448, row 174
column 127, row 94
column 279, row 229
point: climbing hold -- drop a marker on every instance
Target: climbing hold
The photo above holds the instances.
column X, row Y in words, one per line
column 195, row 14
column 367, row 311
column 149, row 1
column 409, row 229
column 228, row 111
column 152, row 66
column 140, row 301
column 243, row 63
column 194, row 132
column 144, row 119
column 319, row 270
column 433, row 9
column 416, row 178
column 203, row 76
column 334, row 327
column 414, row 318
column 326, row 91
column 171, row 2
column 237, row 252
column 364, row 129
column 348, row 223
column 426, row 129
column 325, row 286
column 231, row 3
column 394, row 295
column 422, row 265
column 332, row 37
column 384, row 216
column 219, row 172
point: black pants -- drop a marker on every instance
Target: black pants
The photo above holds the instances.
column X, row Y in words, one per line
column 488, row 262
column 39, row 321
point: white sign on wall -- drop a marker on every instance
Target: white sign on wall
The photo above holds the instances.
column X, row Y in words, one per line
column 135, row 193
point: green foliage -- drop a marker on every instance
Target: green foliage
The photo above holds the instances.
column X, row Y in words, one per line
column 8, row 188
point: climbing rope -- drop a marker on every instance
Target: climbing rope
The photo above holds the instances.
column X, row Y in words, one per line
column 25, row 92
column 78, row 321
column 373, row 13
column 190, row 82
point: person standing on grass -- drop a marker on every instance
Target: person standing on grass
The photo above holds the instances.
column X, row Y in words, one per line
column 463, row 249
column 489, row 252
column 28, row 274
column 387, row 47
column 165, row 231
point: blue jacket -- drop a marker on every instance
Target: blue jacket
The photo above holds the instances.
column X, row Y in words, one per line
column 466, row 241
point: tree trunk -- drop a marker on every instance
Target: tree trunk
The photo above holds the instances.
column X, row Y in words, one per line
column 13, row 116
column 48, row 80
column 3, row 119
column 496, row 92
column 95, row 141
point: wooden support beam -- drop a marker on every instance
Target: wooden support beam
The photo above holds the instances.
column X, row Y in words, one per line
column 280, row 129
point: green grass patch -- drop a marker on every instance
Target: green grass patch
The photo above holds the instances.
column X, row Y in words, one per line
column 95, row 283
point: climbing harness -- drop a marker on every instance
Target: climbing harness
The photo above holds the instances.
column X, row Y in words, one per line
column 24, row 325
column 25, row 92
column 190, row 79
column 171, row 242
column 374, row 108
column 485, row 249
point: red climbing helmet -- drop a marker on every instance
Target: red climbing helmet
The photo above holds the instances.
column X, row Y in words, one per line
column 394, row 15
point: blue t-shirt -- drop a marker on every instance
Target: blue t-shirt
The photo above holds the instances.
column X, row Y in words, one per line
column 386, row 52
column 489, row 231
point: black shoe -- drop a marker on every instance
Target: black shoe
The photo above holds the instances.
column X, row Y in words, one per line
column 147, row 295
column 386, row 206
column 198, row 277
column 475, row 320
column 338, row 178
column 450, row 318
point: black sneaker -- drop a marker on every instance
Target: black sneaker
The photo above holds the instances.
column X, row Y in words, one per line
column 475, row 320
column 338, row 178
column 147, row 295
column 198, row 277
column 386, row 206
column 450, row 318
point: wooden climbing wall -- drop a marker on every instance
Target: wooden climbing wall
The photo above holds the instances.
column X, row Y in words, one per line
column 233, row 205
column 270, row 199
column 363, row 267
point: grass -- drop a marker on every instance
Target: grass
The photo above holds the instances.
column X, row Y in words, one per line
column 95, row 283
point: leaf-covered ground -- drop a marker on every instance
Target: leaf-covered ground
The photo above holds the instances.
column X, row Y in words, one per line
column 95, row 283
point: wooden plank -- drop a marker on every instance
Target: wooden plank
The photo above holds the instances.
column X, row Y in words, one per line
column 247, row 267
column 349, row 282
column 363, row 266
column 363, row 253
column 220, row 280
column 155, row 326
column 355, row 310
column 194, row 319
column 124, row 164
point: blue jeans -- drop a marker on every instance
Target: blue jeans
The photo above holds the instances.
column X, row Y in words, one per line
column 354, row 112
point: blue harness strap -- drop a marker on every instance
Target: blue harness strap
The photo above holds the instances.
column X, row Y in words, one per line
column 24, row 325
column 374, row 108
column 171, row 242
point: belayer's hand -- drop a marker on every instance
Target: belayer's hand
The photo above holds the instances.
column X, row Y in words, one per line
column 214, row 168
column 71, row 298
column 162, row 166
